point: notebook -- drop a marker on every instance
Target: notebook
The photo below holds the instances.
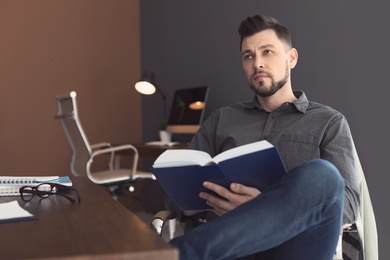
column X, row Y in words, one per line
column 10, row 185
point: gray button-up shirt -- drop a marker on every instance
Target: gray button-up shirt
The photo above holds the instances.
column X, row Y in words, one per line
column 301, row 130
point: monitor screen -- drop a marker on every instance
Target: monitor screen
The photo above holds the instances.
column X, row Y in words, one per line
column 187, row 110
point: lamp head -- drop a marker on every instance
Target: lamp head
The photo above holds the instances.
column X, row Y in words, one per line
column 147, row 84
column 197, row 105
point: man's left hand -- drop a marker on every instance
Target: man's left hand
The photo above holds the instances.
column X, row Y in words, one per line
column 235, row 196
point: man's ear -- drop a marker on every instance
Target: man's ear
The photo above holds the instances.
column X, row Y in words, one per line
column 293, row 57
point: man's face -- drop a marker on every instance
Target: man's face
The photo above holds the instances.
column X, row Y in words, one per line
column 266, row 62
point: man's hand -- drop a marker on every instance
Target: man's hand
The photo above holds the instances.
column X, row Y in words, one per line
column 237, row 195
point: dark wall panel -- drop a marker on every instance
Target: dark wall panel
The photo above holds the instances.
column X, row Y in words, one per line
column 342, row 62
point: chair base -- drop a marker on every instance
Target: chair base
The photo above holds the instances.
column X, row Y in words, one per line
column 118, row 188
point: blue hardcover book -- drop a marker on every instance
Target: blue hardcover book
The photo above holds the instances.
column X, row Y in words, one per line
column 64, row 180
column 181, row 172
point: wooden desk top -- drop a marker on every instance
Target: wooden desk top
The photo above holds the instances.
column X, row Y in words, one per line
column 154, row 151
column 98, row 227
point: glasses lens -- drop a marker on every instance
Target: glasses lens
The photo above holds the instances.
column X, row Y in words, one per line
column 44, row 190
column 27, row 193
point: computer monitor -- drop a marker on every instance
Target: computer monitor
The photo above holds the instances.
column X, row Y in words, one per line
column 187, row 110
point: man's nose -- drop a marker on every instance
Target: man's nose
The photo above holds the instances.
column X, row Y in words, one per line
column 258, row 63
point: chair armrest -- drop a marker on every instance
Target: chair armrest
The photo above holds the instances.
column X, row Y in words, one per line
column 160, row 218
column 115, row 149
column 112, row 151
column 346, row 226
column 100, row 145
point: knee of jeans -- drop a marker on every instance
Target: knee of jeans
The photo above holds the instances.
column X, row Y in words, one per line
column 324, row 173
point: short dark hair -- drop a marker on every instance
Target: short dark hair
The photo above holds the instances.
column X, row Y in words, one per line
column 258, row 23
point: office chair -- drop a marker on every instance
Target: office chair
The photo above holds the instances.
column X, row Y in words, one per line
column 365, row 224
column 84, row 154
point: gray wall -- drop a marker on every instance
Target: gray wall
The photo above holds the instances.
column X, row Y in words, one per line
column 342, row 52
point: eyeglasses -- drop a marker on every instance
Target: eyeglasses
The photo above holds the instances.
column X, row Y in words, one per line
column 44, row 190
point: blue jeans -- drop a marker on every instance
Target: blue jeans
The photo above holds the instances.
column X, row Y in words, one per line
column 299, row 218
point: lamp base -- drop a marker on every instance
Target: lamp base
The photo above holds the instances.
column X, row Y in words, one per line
column 165, row 136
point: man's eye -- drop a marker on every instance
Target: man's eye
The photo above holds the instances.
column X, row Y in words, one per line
column 268, row 52
column 248, row 56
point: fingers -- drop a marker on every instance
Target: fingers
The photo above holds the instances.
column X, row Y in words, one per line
column 189, row 213
column 219, row 205
column 232, row 198
column 220, row 190
column 244, row 190
column 235, row 189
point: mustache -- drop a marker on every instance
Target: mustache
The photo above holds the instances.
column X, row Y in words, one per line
column 258, row 71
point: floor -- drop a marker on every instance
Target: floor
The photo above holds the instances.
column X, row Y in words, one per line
column 134, row 201
column 177, row 230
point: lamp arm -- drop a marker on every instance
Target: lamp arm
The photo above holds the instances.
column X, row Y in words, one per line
column 164, row 97
column 161, row 92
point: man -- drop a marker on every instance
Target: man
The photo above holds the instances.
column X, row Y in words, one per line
column 301, row 217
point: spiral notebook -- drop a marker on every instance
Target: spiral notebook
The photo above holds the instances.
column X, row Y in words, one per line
column 10, row 185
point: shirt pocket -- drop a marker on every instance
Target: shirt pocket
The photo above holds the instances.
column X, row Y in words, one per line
column 298, row 149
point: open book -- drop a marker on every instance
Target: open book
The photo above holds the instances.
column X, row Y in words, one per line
column 181, row 172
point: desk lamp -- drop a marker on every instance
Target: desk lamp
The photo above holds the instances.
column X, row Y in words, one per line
column 147, row 86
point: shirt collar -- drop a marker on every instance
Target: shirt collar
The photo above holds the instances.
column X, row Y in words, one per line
column 301, row 103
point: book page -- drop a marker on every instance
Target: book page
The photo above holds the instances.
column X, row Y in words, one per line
column 10, row 190
column 181, row 157
column 11, row 211
column 241, row 150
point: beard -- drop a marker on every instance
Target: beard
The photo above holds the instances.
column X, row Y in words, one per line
column 263, row 91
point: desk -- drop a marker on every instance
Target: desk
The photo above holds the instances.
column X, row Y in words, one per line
column 97, row 228
column 153, row 200
column 153, row 151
